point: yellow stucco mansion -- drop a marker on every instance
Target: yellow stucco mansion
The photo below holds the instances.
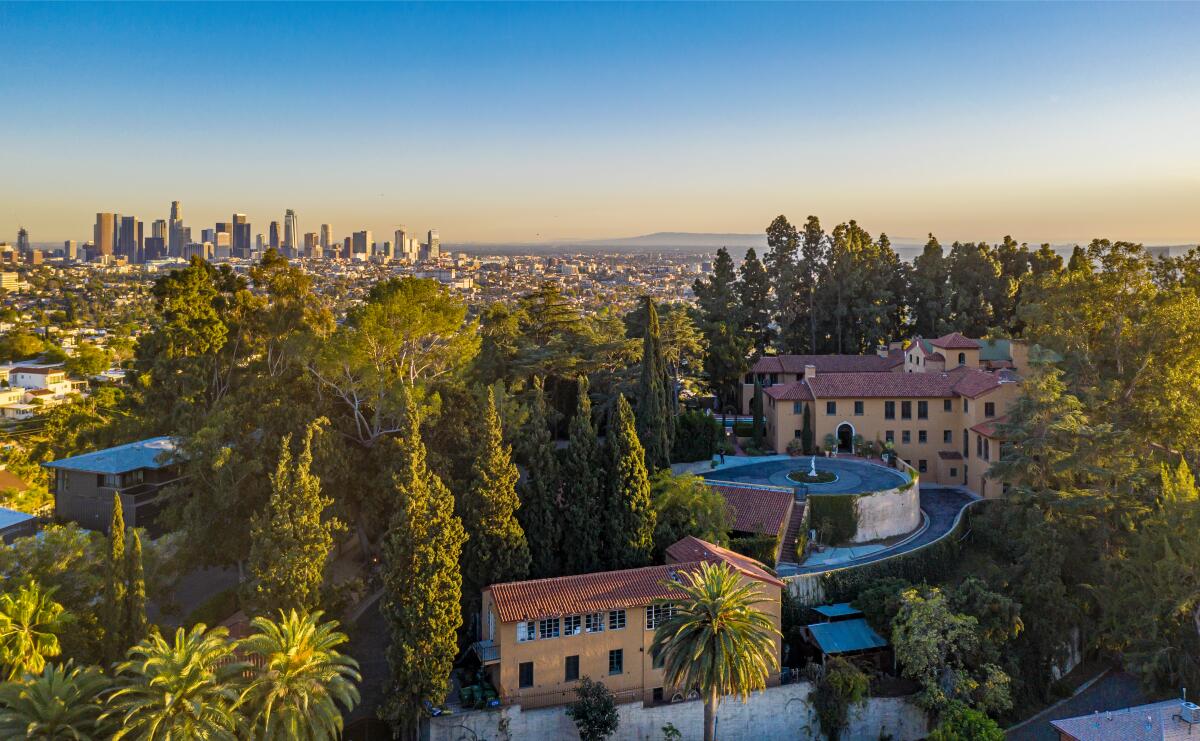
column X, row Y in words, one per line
column 936, row 401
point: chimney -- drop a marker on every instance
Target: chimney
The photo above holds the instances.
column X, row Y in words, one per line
column 810, row 371
column 881, row 350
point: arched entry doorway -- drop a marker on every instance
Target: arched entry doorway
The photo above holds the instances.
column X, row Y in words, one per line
column 845, row 436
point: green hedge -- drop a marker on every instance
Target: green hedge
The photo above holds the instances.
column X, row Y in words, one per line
column 835, row 516
column 215, row 609
column 759, row 547
column 696, row 437
column 743, row 429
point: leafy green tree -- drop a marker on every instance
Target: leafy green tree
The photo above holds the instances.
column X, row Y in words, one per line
column 114, row 587
column 789, row 309
column 595, row 712
column 725, row 361
column 961, row 723
column 630, row 514
column 654, row 412
column 842, row 686
column 30, row 624
column 716, row 639
column 185, row 688
column 60, row 703
column 290, row 540
column 298, row 680
column 498, row 551
column 541, row 514
column 87, row 361
column 19, row 345
column 754, row 299
column 135, row 624
column 584, row 501
column 686, row 505
column 930, row 291
column 975, row 275
column 422, row 583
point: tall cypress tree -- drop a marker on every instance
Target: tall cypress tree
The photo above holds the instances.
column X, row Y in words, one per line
column 756, row 408
column 583, row 491
column 290, row 543
column 136, row 626
column 630, row 515
column 806, row 430
column 541, row 511
column 754, row 296
column 653, row 412
column 498, row 552
column 726, row 345
column 422, row 583
column 114, row 586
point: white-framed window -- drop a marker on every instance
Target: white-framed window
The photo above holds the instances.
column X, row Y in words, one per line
column 526, row 631
column 571, row 625
column 548, row 628
column 616, row 619
column 657, row 615
column 594, row 623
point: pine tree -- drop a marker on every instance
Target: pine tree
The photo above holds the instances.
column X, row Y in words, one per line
column 813, row 253
column 583, row 491
column 630, row 514
column 727, row 345
column 541, row 513
column 930, row 305
column 790, row 309
column 498, row 551
column 136, row 626
column 653, row 412
column 114, row 586
column 290, row 543
column 754, row 298
column 1179, row 485
column 422, row 582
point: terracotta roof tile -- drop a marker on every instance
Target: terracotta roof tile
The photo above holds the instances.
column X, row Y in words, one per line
column 690, row 550
column 987, row 428
column 881, row 385
column 795, row 391
column 955, row 341
column 763, row 511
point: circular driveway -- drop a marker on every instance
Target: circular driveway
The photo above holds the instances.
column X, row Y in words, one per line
column 853, row 476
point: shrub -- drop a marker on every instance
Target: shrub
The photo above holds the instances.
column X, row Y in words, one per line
column 795, row 446
column 696, row 437
column 743, row 428
column 961, row 723
column 759, row 547
column 843, row 686
column 595, row 712
column 836, row 516
column 215, row 609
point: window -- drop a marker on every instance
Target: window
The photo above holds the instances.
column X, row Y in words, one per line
column 594, row 623
column 571, row 669
column 889, row 410
column 922, row 465
column 658, row 694
column 953, row 472
column 774, row 379
column 966, row 405
column 966, row 445
column 797, row 407
column 989, row 409
column 858, row 409
column 616, row 619
column 889, row 436
column 656, row 615
column 962, row 358
column 906, row 410
column 831, row 407
column 797, row 434
column 526, row 674
column 616, row 661
column 948, row 436
column 987, row 449
column 922, row 437
column 979, row 446
column 922, row 410
column 526, row 631
column 947, row 405
column 906, row 437
column 571, row 625
column 548, row 628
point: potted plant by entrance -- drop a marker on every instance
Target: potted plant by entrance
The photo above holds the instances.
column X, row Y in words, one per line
column 831, row 444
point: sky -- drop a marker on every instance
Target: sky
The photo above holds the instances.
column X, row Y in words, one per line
column 542, row 122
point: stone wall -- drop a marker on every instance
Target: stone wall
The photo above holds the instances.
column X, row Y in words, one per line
column 888, row 513
column 777, row 713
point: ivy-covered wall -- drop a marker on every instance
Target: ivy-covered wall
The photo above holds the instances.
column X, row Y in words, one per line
column 835, row 517
column 759, row 547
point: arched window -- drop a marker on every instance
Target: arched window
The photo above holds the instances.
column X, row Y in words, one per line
column 962, row 358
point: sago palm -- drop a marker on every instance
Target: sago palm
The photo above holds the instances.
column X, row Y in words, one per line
column 184, row 689
column 60, row 703
column 299, row 678
column 30, row 622
column 716, row 640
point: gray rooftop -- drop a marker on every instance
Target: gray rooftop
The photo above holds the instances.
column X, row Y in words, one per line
column 153, row 453
column 1160, row 721
column 10, row 517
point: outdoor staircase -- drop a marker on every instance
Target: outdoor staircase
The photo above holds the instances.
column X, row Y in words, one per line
column 787, row 554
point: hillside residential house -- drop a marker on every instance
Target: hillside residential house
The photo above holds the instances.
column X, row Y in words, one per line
column 541, row 636
column 937, row 402
column 1170, row 720
column 84, row 484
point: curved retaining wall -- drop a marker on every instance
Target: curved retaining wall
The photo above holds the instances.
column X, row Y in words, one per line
column 885, row 514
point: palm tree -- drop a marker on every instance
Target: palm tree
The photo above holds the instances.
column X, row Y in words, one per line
column 29, row 625
column 299, row 678
column 716, row 640
column 60, row 703
column 185, row 689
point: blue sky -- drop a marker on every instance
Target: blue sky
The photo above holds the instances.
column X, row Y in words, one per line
column 500, row 122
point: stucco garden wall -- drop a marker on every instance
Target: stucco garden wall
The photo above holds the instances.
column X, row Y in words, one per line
column 885, row 514
column 776, row 713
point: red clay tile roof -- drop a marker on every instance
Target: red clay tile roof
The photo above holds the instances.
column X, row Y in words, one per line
column 881, row 385
column 690, row 550
column 971, row 382
column 613, row 590
column 987, row 428
column 955, row 341
column 828, row 363
column 763, row 511
column 795, row 391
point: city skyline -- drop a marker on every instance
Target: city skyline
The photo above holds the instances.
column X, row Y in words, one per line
column 536, row 124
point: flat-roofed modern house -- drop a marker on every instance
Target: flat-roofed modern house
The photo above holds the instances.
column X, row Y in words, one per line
column 84, row 484
column 541, row 636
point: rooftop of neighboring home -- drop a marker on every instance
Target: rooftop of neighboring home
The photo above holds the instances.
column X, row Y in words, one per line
column 969, row 382
column 1160, row 721
column 830, row 363
column 757, row 510
column 613, row 590
column 154, row 453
